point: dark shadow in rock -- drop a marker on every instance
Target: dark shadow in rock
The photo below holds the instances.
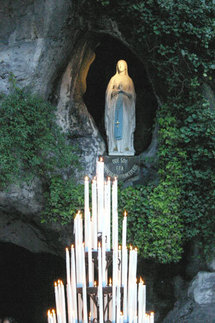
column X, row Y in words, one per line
column 108, row 52
column 27, row 283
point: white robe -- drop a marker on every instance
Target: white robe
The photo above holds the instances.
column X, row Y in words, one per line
column 124, row 146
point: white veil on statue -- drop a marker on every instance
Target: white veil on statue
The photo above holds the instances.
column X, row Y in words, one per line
column 120, row 112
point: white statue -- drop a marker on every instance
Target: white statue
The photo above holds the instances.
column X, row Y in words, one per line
column 120, row 112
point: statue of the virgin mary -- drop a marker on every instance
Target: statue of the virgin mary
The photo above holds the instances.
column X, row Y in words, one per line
column 120, row 112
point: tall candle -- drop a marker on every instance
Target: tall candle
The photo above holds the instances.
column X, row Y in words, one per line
column 124, row 231
column 94, row 215
column 100, row 191
column 125, row 282
column 103, row 261
column 73, row 283
column 114, row 215
column 119, row 266
column 90, row 262
column 100, row 293
column 57, row 302
column 68, row 274
column 107, row 212
column 86, row 211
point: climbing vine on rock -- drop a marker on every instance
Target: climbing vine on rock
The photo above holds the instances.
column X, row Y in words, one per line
column 175, row 42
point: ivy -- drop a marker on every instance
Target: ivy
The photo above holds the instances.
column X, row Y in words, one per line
column 175, row 40
column 33, row 146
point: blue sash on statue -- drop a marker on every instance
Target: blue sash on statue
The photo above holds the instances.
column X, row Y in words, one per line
column 118, row 122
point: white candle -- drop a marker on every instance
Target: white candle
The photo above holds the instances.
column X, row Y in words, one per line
column 73, row 283
column 69, row 303
column 125, row 282
column 62, row 301
column 84, row 292
column 152, row 317
column 68, row 274
column 114, row 215
column 100, row 191
column 57, row 302
column 86, row 211
column 107, row 212
column 124, row 231
column 90, row 262
column 104, row 283
column 94, row 215
column 54, row 316
column 100, row 292
column 79, row 308
column 121, row 318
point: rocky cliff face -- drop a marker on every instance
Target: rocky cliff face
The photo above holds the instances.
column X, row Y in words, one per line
column 49, row 50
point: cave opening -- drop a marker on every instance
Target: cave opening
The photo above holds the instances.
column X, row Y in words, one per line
column 108, row 52
column 26, row 283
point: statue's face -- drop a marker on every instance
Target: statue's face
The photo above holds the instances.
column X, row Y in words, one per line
column 121, row 66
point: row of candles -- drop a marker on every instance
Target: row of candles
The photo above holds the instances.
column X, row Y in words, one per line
column 125, row 300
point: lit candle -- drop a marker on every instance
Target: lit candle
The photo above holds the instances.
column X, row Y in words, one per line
column 124, row 231
column 152, row 317
column 100, row 191
column 114, row 215
column 57, row 302
column 90, row 262
column 68, row 274
column 104, row 283
column 107, row 211
column 121, row 318
column 54, row 316
column 94, row 215
column 73, row 283
column 86, row 211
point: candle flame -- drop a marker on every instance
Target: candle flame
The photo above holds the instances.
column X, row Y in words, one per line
column 120, row 247
column 95, row 283
column 110, row 282
column 125, row 213
column 101, row 159
column 141, row 280
column 152, row 313
column 108, row 178
column 67, row 249
column 72, row 246
column 55, row 284
column 53, row 311
column 86, row 178
column 131, row 247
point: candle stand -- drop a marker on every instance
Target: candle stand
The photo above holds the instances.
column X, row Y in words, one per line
column 101, row 283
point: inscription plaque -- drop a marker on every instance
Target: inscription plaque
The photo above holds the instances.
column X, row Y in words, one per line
column 124, row 167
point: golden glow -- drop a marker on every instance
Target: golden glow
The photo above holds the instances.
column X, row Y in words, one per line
column 108, row 178
column 110, row 282
column 86, row 178
column 120, row 247
column 125, row 213
column 101, row 159
column 131, row 247
column 95, row 283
